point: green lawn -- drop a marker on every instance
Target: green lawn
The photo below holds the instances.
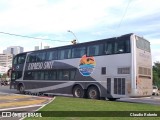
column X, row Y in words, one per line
column 68, row 104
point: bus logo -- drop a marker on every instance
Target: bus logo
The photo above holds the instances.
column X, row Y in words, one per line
column 87, row 65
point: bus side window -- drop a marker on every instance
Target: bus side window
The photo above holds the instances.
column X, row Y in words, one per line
column 31, row 58
column 19, row 75
column 13, row 76
column 119, row 47
column 72, row 74
column 78, row 52
column 51, row 55
column 109, row 48
column 95, row 50
column 50, row 75
column 16, row 75
column 122, row 46
column 64, row 54
column 28, row 75
column 40, row 56
column 21, row 59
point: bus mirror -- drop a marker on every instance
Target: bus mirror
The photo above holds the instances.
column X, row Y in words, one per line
column 73, row 42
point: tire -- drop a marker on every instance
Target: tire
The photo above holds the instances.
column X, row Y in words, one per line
column 21, row 89
column 93, row 93
column 78, row 92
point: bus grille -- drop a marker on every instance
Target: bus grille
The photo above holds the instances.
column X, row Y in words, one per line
column 119, row 86
column 108, row 85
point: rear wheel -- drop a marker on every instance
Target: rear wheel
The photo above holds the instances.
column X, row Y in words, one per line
column 78, row 92
column 93, row 93
column 21, row 89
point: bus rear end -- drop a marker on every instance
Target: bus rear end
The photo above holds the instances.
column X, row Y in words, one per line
column 142, row 67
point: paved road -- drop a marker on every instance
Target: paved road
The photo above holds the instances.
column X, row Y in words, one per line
column 155, row 100
column 11, row 103
column 6, row 89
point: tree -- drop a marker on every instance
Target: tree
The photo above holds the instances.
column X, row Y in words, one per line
column 4, row 76
column 156, row 74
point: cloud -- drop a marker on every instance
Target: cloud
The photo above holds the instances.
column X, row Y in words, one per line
column 89, row 19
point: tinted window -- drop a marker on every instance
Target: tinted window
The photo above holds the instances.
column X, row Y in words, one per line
column 50, row 75
column 40, row 56
column 122, row 46
column 78, row 52
column 143, row 44
column 21, row 59
column 28, row 75
column 36, row 57
column 51, row 55
column 38, row 75
column 13, row 76
column 66, row 74
column 64, row 54
column 63, row 75
column 94, row 50
column 31, row 58
column 109, row 48
column 117, row 47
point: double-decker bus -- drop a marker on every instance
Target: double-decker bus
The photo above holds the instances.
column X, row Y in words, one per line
column 108, row 68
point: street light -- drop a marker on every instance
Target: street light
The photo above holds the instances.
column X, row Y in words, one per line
column 74, row 36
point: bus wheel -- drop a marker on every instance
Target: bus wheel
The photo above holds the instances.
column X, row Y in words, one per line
column 21, row 89
column 93, row 93
column 78, row 92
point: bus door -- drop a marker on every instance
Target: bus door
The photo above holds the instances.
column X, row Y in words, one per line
column 13, row 78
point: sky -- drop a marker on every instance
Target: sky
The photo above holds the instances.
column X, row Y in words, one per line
column 88, row 19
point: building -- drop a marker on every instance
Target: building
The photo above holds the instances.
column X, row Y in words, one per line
column 36, row 48
column 5, row 62
column 13, row 50
column 3, row 70
column 46, row 47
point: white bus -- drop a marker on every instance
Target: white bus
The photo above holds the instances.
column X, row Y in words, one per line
column 109, row 68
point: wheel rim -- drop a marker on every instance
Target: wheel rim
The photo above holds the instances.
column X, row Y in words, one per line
column 21, row 89
column 78, row 92
column 93, row 94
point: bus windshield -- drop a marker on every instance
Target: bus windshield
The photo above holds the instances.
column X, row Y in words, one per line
column 143, row 44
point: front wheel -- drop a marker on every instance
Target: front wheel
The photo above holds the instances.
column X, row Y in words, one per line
column 21, row 89
column 93, row 93
column 78, row 92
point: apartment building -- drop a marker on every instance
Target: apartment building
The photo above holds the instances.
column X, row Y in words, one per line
column 5, row 62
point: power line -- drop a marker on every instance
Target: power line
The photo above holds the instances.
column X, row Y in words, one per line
column 123, row 15
column 31, row 37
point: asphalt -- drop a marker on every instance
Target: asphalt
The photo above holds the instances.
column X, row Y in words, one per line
column 20, row 103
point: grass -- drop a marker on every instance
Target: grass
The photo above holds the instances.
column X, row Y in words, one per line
column 75, row 104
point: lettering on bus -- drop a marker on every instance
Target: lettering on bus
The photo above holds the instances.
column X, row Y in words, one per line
column 40, row 65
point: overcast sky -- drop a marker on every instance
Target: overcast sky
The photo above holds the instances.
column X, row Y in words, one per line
column 88, row 19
